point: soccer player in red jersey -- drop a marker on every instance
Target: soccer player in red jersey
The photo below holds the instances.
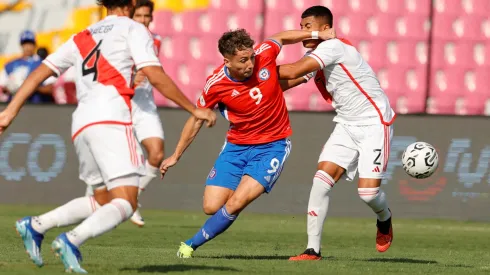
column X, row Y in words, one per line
column 248, row 93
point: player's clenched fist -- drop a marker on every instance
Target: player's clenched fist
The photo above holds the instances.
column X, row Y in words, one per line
column 205, row 114
column 167, row 163
column 139, row 78
column 327, row 34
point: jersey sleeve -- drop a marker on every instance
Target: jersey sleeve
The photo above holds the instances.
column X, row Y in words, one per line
column 328, row 52
column 49, row 81
column 63, row 58
column 142, row 47
column 269, row 48
column 208, row 99
column 312, row 74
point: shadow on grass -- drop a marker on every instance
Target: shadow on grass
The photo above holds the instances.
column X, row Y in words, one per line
column 411, row 261
column 175, row 268
column 252, row 257
column 400, row 260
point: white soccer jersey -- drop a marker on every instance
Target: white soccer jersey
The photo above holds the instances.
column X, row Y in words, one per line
column 355, row 90
column 145, row 86
column 104, row 55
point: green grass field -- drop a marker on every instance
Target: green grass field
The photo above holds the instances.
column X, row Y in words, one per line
column 261, row 244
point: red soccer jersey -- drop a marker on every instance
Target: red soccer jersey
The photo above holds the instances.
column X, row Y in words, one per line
column 255, row 107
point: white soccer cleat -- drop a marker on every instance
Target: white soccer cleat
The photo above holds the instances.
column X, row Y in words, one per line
column 137, row 218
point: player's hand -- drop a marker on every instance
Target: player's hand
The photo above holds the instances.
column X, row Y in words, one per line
column 167, row 163
column 6, row 119
column 327, row 34
column 139, row 78
column 205, row 114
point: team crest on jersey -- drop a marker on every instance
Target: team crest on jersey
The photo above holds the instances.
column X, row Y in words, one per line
column 264, row 74
column 212, row 173
column 201, row 101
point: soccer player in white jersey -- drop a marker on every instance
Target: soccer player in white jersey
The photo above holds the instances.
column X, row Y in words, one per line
column 146, row 123
column 362, row 135
column 103, row 56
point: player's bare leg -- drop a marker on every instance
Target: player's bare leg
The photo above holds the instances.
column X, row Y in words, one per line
column 370, row 192
column 328, row 173
column 248, row 190
column 214, row 198
column 155, row 148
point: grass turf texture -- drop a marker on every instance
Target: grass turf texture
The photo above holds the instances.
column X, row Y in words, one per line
column 261, row 244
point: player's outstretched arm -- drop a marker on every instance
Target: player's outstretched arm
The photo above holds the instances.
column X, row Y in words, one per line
column 165, row 85
column 300, row 68
column 287, row 84
column 296, row 36
column 25, row 91
column 189, row 133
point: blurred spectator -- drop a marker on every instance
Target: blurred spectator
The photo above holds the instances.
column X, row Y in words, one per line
column 42, row 52
column 16, row 71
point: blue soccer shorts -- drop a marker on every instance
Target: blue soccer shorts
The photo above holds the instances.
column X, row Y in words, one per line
column 262, row 162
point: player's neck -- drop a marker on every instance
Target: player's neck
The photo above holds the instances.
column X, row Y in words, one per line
column 117, row 12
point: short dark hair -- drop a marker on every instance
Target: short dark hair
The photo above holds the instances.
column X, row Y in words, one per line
column 145, row 3
column 319, row 11
column 110, row 4
column 233, row 41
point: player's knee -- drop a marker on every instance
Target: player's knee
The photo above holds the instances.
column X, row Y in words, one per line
column 126, row 188
column 332, row 169
column 155, row 158
column 210, row 208
column 368, row 194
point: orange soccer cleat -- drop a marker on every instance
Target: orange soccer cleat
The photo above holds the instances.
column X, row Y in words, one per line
column 308, row 255
column 384, row 236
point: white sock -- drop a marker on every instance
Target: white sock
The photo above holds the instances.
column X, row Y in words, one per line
column 89, row 191
column 71, row 213
column 318, row 208
column 106, row 218
column 151, row 173
column 376, row 199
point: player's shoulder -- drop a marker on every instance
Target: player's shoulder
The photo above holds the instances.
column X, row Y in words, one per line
column 335, row 43
column 331, row 43
column 215, row 79
column 266, row 45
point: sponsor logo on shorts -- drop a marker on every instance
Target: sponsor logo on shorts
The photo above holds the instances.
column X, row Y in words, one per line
column 212, row 173
column 264, row 74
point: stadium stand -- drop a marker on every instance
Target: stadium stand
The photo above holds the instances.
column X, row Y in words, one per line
column 430, row 56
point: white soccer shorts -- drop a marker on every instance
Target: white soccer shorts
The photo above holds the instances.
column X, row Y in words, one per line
column 359, row 148
column 146, row 121
column 106, row 152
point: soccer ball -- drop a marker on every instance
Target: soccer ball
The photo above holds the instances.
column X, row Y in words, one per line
column 420, row 160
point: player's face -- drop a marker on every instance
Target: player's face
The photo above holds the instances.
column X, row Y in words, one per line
column 241, row 65
column 312, row 23
column 143, row 16
column 28, row 49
